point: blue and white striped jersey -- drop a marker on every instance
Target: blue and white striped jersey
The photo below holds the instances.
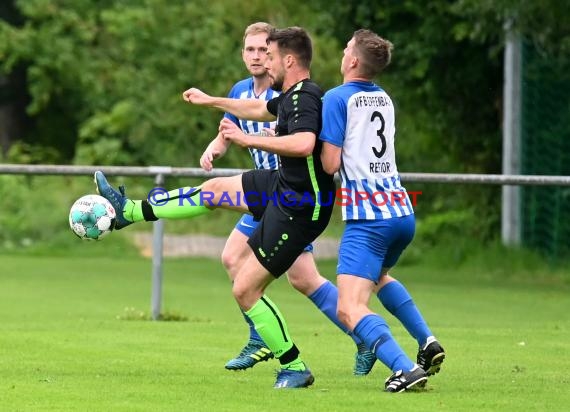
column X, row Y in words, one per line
column 359, row 117
column 244, row 90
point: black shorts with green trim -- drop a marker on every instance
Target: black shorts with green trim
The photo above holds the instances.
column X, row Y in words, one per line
column 280, row 238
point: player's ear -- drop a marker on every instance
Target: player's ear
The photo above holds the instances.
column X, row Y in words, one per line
column 354, row 62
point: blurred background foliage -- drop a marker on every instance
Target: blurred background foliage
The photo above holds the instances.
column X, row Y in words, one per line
column 99, row 82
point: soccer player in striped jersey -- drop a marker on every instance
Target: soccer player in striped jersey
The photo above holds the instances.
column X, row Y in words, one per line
column 303, row 275
column 358, row 141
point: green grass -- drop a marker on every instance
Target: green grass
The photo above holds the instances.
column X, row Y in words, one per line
column 65, row 344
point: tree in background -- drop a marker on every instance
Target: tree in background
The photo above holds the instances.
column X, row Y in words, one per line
column 101, row 81
column 447, row 82
column 105, row 77
column 12, row 88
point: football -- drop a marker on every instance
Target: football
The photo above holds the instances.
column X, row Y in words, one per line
column 92, row 217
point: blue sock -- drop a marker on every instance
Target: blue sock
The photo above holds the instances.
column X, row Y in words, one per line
column 253, row 335
column 399, row 303
column 374, row 331
column 325, row 298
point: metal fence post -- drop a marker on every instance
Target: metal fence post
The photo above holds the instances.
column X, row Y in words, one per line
column 157, row 247
column 511, row 233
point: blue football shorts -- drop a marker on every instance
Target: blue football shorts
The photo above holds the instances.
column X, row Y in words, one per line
column 368, row 246
column 247, row 225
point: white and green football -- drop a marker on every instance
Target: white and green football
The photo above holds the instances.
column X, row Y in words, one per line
column 92, row 217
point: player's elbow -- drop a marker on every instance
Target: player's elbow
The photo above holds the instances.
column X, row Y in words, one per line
column 330, row 167
column 304, row 144
column 331, row 158
column 260, row 112
column 331, row 163
column 306, row 148
column 264, row 116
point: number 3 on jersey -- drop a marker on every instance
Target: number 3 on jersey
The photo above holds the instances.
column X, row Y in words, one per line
column 380, row 133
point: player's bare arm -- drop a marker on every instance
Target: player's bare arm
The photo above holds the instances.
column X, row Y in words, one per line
column 299, row 144
column 250, row 109
column 330, row 158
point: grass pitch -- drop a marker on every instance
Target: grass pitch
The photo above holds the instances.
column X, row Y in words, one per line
column 67, row 344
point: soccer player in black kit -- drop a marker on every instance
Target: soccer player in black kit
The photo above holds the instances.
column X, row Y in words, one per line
column 293, row 204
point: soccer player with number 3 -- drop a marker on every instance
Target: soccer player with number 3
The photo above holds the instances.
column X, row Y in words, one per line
column 358, row 141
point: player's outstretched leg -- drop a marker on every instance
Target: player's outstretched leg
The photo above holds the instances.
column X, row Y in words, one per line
column 117, row 198
column 254, row 351
column 431, row 356
column 181, row 203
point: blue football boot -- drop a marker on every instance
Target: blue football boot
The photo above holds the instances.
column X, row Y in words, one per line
column 116, row 198
column 289, row 379
column 364, row 360
column 254, row 352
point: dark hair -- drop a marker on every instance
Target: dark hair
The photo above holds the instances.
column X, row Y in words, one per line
column 294, row 40
column 373, row 51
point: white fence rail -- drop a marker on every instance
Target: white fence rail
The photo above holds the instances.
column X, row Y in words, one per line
column 161, row 172
column 488, row 179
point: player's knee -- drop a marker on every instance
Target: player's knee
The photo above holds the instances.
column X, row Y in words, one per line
column 298, row 282
column 245, row 295
column 385, row 278
column 230, row 261
column 306, row 280
column 210, row 185
column 240, row 293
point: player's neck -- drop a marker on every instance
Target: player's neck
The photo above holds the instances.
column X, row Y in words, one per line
column 348, row 79
column 295, row 77
column 261, row 84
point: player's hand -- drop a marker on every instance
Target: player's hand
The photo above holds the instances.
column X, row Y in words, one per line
column 196, row 96
column 230, row 131
column 207, row 158
column 269, row 132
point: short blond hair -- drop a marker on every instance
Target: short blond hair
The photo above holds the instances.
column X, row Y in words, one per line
column 257, row 28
